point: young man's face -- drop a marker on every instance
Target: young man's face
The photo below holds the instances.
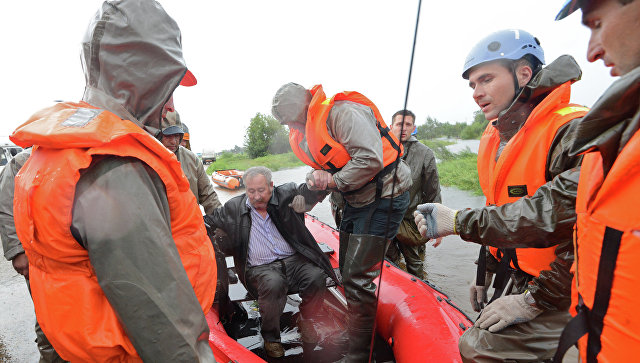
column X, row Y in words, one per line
column 493, row 88
column 258, row 191
column 615, row 34
column 171, row 142
column 408, row 128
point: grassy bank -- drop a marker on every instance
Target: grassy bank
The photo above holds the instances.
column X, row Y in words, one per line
column 461, row 172
column 456, row 170
column 243, row 162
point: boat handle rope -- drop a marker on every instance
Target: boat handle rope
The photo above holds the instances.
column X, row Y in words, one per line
column 395, row 173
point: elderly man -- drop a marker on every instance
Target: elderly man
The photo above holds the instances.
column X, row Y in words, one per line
column 274, row 252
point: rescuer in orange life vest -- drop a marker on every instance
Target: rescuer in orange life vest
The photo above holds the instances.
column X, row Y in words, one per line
column 345, row 140
column 607, row 230
column 523, row 148
column 120, row 264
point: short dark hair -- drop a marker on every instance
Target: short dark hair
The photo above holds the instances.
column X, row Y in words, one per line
column 404, row 113
column 530, row 61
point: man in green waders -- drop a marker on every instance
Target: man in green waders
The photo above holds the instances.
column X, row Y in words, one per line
column 523, row 148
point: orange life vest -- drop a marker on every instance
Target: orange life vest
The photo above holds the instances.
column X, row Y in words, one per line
column 327, row 153
column 70, row 305
column 520, row 169
column 607, row 267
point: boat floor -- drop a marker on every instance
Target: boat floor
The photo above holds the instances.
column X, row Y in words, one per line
column 245, row 328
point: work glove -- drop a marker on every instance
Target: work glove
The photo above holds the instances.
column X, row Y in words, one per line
column 478, row 294
column 435, row 220
column 299, row 204
column 505, row 311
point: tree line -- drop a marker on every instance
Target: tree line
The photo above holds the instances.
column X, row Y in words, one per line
column 433, row 129
column 266, row 136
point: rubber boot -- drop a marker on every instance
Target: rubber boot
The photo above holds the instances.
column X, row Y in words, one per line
column 362, row 264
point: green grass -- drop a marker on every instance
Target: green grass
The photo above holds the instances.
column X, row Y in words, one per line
column 243, row 162
column 456, row 170
column 461, row 171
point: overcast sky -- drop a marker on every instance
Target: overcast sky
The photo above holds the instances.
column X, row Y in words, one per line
column 243, row 51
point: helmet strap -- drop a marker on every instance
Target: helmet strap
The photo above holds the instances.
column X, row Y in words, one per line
column 516, row 83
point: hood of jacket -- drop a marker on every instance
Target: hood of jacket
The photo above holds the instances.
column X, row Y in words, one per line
column 612, row 121
column 558, row 72
column 132, row 60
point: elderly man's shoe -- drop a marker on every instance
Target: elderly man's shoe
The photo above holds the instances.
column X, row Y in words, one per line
column 274, row 349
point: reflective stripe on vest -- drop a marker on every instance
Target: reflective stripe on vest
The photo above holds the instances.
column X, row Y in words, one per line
column 327, row 153
column 521, row 168
column 607, row 250
column 70, row 305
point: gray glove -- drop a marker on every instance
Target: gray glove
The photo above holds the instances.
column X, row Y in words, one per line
column 435, row 220
column 478, row 294
column 299, row 204
column 507, row 310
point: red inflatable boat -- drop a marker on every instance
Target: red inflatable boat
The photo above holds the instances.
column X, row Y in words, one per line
column 415, row 322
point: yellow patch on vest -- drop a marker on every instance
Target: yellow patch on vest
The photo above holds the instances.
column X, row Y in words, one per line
column 571, row 109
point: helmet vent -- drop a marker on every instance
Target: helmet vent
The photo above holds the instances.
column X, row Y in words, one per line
column 493, row 46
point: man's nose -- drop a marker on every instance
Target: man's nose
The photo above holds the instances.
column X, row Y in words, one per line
column 594, row 50
column 478, row 92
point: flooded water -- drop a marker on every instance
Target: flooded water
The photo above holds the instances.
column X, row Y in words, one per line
column 461, row 145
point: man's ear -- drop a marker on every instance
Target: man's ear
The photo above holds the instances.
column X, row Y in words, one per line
column 524, row 74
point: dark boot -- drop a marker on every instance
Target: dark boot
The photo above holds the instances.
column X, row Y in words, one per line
column 47, row 353
column 393, row 253
column 363, row 260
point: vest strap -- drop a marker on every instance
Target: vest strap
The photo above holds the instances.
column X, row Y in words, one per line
column 481, row 271
column 504, row 271
column 577, row 327
column 384, row 132
column 591, row 321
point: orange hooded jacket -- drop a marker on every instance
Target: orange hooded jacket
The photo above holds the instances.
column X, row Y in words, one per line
column 70, row 305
